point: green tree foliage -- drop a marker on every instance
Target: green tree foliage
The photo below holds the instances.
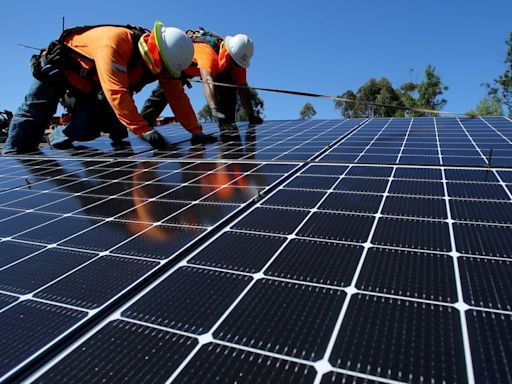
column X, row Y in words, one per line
column 346, row 108
column 205, row 114
column 426, row 94
column 307, row 112
column 488, row 106
column 374, row 91
column 430, row 90
column 502, row 86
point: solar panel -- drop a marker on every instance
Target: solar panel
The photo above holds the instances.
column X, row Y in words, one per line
column 317, row 251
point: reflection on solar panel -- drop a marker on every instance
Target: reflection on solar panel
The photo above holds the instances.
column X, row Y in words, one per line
column 333, row 251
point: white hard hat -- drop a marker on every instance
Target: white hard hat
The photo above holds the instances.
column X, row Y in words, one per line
column 241, row 49
column 175, row 48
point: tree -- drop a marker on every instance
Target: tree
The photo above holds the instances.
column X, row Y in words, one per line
column 346, row 108
column 502, row 86
column 386, row 95
column 205, row 114
column 430, row 90
column 373, row 91
column 408, row 95
column 307, row 112
column 488, row 106
column 364, row 103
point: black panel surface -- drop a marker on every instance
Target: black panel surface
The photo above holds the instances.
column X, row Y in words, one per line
column 401, row 320
column 498, row 212
column 418, row 174
column 57, row 230
column 421, row 275
column 152, row 211
column 417, row 188
column 411, row 206
column 97, row 282
column 483, row 240
column 273, row 220
column 361, row 184
column 410, row 233
column 159, row 241
column 484, row 176
column 205, row 215
column 312, row 182
column 11, row 251
column 490, row 337
column 342, row 378
column 317, row 262
column 6, row 300
column 23, row 222
column 486, row 283
column 29, row 326
column 237, row 251
column 295, row 198
column 351, row 202
column 210, row 365
column 400, row 340
column 286, row 318
column 481, row 191
column 41, row 269
column 190, row 299
column 337, row 226
column 384, row 172
column 123, row 352
column 104, row 236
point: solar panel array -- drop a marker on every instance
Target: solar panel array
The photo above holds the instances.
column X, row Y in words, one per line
column 329, row 251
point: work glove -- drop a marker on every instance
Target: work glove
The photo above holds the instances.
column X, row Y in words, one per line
column 201, row 138
column 255, row 120
column 218, row 115
column 155, row 139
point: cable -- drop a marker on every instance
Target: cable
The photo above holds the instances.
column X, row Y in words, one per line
column 309, row 94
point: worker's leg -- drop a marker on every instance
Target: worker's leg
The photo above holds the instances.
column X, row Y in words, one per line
column 83, row 126
column 226, row 97
column 31, row 119
column 108, row 122
column 154, row 106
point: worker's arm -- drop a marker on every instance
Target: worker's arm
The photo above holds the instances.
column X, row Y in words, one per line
column 112, row 67
column 208, row 87
column 180, row 104
column 240, row 78
column 245, row 100
column 154, row 105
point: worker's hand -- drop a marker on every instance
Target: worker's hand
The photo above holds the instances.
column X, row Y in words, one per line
column 217, row 115
column 255, row 120
column 155, row 139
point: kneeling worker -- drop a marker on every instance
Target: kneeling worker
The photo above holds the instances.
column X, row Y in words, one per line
column 215, row 60
column 101, row 67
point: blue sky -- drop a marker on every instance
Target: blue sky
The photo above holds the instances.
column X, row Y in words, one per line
column 321, row 46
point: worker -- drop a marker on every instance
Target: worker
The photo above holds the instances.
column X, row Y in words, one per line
column 98, row 68
column 215, row 60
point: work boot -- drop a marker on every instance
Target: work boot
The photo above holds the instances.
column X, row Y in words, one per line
column 65, row 144
column 229, row 132
column 201, row 138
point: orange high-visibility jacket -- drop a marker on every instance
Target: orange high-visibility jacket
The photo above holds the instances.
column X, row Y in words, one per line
column 111, row 49
column 206, row 58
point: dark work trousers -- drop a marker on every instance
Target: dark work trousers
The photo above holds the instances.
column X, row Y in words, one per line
column 225, row 100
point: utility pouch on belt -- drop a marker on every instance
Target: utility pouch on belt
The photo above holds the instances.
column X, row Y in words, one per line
column 47, row 66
